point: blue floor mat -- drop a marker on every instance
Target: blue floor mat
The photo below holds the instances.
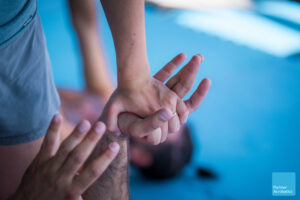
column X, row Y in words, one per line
column 247, row 127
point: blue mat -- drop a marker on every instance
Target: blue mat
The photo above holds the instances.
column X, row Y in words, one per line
column 247, row 127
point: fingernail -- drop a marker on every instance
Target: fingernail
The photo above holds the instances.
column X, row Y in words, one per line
column 117, row 132
column 184, row 55
column 84, row 126
column 114, row 147
column 57, row 118
column 99, row 128
column 165, row 115
column 201, row 57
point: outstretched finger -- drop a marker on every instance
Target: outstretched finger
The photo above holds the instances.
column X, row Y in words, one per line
column 169, row 68
column 135, row 126
column 183, row 81
column 51, row 141
column 80, row 154
column 95, row 169
column 197, row 97
column 70, row 143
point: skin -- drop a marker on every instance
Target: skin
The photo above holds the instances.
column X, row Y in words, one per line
column 137, row 91
column 102, row 173
column 181, row 83
column 53, row 172
column 83, row 15
column 133, row 38
column 113, row 184
column 12, row 170
column 132, row 64
column 135, row 86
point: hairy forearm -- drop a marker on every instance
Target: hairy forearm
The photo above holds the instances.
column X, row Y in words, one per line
column 113, row 183
column 127, row 23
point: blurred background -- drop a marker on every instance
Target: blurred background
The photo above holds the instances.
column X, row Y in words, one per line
column 249, row 124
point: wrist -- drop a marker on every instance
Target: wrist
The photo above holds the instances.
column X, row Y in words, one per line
column 133, row 74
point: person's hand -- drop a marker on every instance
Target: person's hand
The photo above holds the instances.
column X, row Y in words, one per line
column 143, row 98
column 53, row 174
column 181, row 83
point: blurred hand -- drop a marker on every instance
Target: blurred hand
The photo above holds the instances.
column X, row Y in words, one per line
column 53, row 174
column 150, row 128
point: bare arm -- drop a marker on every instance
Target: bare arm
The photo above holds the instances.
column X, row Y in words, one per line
column 127, row 23
column 97, row 76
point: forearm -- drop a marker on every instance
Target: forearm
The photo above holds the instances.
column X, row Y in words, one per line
column 127, row 24
column 84, row 20
column 96, row 73
column 113, row 184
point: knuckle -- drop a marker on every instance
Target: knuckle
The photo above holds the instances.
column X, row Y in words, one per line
column 93, row 172
column 166, row 71
column 184, row 90
column 77, row 158
column 173, row 99
column 185, row 87
column 169, row 101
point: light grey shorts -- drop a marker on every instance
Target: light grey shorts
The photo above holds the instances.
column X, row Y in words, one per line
column 28, row 97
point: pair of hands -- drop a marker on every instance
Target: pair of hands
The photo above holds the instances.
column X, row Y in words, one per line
column 53, row 174
column 158, row 108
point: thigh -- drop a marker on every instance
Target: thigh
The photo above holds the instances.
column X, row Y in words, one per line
column 14, row 160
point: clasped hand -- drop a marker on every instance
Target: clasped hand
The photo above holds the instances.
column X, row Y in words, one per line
column 152, row 109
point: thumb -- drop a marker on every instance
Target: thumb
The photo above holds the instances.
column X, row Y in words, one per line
column 110, row 116
column 136, row 126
